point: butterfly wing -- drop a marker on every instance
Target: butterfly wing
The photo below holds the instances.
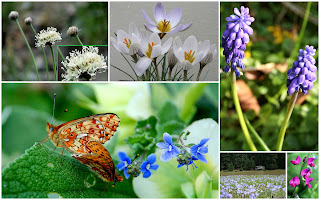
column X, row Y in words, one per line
column 77, row 133
column 99, row 161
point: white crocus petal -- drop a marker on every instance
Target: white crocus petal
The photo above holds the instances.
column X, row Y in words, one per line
column 159, row 12
column 133, row 29
column 199, row 57
column 154, row 38
column 177, row 43
column 166, row 46
column 147, row 18
column 142, row 65
column 176, row 29
column 121, row 35
column 174, row 16
column 115, row 43
column 133, row 49
column 135, row 38
column 202, row 46
column 185, row 65
column 179, row 53
column 213, row 49
column 123, row 48
column 156, row 51
column 152, row 28
column 186, row 26
column 190, row 44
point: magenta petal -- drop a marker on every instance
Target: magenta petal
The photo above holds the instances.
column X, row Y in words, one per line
column 310, row 162
column 305, row 172
column 296, row 180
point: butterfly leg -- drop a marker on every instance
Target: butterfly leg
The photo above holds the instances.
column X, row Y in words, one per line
column 61, row 156
column 105, row 189
column 43, row 141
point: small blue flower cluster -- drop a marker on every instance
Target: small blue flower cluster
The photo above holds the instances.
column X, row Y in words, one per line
column 235, row 37
column 303, row 74
column 183, row 156
column 134, row 168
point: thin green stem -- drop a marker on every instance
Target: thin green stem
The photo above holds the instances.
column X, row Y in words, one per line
column 130, row 65
column 240, row 114
column 199, row 73
column 44, row 54
column 61, row 54
column 256, row 135
column 123, row 72
column 185, row 75
column 156, row 67
column 54, row 64
column 285, row 122
column 25, row 39
column 79, row 40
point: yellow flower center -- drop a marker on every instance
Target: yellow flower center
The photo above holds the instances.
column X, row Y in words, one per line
column 150, row 47
column 164, row 26
column 127, row 42
column 189, row 56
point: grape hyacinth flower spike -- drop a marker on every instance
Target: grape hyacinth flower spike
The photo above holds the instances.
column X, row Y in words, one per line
column 165, row 23
column 303, row 74
column 235, row 37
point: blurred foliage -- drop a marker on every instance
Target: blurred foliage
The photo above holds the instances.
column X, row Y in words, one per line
column 276, row 30
column 295, row 170
column 27, row 107
column 90, row 17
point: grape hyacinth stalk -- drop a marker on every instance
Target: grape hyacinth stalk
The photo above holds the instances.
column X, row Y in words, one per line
column 301, row 77
column 234, row 40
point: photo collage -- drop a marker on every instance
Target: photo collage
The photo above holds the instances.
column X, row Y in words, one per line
column 160, row 99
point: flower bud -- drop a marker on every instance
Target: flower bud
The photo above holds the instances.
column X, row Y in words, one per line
column 172, row 59
column 13, row 15
column 72, row 31
column 28, row 21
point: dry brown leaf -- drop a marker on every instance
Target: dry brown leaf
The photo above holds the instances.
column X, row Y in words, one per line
column 247, row 100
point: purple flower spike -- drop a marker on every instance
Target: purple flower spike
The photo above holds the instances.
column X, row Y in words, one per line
column 199, row 150
column 306, row 172
column 297, row 161
column 235, row 38
column 294, row 181
column 310, row 162
column 170, row 150
column 165, row 23
column 303, row 73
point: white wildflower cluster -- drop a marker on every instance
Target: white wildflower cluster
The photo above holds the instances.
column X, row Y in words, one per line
column 49, row 36
column 85, row 63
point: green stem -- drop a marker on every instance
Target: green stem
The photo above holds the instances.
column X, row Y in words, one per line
column 54, row 64
column 285, row 122
column 256, row 135
column 79, row 40
column 61, row 54
column 185, row 75
column 199, row 73
column 44, row 54
column 156, row 67
column 147, row 75
column 25, row 39
column 240, row 114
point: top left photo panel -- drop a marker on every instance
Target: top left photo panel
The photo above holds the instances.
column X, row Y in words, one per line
column 54, row 41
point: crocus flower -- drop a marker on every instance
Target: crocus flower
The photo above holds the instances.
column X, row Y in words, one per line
column 124, row 162
column 151, row 48
column 307, row 182
column 310, row 162
column 297, row 161
column 170, row 150
column 210, row 55
column 127, row 43
column 199, row 149
column 306, row 172
column 190, row 163
column 165, row 23
column 190, row 53
column 147, row 165
column 303, row 74
column 294, row 181
column 235, row 37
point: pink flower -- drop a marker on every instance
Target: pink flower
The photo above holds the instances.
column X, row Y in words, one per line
column 294, row 181
column 310, row 162
column 297, row 161
column 306, row 172
column 307, row 182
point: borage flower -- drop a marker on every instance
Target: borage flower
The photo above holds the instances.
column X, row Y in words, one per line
column 127, row 43
column 297, row 161
column 306, row 172
column 165, row 23
column 83, row 64
column 190, row 53
column 170, row 150
column 48, row 37
column 199, row 149
column 310, row 162
column 294, row 181
column 147, row 165
column 303, row 74
column 124, row 162
column 151, row 48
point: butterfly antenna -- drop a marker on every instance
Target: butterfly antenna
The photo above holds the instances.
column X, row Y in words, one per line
column 54, row 105
column 65, row 110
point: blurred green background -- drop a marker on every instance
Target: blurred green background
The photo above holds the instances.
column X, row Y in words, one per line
column 90, row 17
column 263, row 86
column 295, row 170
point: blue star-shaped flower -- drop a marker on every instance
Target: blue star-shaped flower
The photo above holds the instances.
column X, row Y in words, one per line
column 171, row 150
column 147, row 165
column 124, row 162
column 199, row 149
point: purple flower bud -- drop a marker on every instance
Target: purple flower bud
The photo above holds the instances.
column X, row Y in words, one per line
column 303, row 74
column 235, row 37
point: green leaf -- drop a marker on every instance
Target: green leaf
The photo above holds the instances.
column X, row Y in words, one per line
column 159, row 95
column 203, row 185
column 141, row 142
column 169, row 112
column 39, row 174
column 171, row 127
column 188, row 190
column 147, row 126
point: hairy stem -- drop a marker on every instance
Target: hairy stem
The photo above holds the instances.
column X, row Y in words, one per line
column 54, row 64
column 79, row 40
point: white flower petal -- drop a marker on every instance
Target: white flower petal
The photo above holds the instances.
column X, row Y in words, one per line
column 199, row 57
column 174, row 16
column 121, row 35
column 176, row 29
column 204, row 46
column 133, row 29
column 147, row 18
column 154, row 37
column 142, row 65
column 177, row 43
column 115, row 43
column 190, row 44
column 159, row 12
column 152, row 28
column 166, row 46
column 123, row 48
column 156, row 51
column 179, row 53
